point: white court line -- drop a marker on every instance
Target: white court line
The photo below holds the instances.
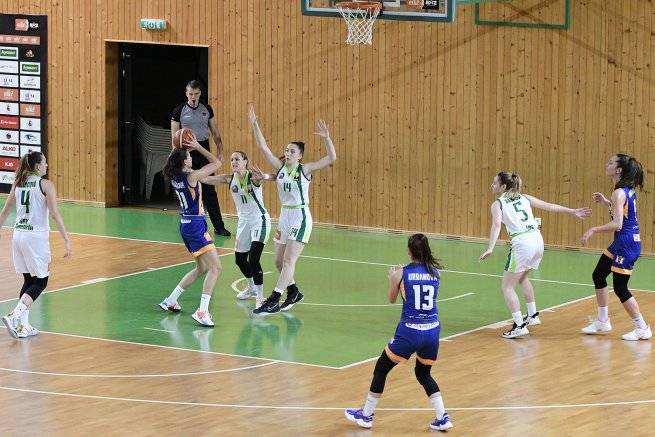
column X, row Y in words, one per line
column 185, row 349
column 296, row 408
column 391, row 305
column 75, row 375
column 161, row 330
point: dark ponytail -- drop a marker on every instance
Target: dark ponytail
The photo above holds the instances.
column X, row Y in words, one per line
column 632, row 173
column 419, row 248
column 301, row 148
column 175, row 164
column 27, row 165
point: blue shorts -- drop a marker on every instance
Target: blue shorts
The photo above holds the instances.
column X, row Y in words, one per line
column 195, row 235
column 407, row 340
column 624, row 251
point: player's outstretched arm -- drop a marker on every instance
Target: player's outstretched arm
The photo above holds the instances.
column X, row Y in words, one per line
column 261, row 141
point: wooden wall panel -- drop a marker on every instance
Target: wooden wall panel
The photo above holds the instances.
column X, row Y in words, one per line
column 422, row 120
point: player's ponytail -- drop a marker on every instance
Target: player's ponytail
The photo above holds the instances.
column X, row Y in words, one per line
column 512, row 184
column 419, row 248
column 27, row 165
column 632, row 173
column 175, row 164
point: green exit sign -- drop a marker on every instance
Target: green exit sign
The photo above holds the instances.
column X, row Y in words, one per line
column 153, row 24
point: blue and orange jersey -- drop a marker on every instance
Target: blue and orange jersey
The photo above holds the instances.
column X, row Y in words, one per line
column 418, row 289
column 630, row 224
column 190, row 197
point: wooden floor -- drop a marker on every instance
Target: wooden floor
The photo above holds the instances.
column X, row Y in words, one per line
column 554, row 382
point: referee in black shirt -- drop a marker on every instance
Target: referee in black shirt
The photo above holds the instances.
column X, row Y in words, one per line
column 199, row 117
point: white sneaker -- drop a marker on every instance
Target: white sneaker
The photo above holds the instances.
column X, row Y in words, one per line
column 27, row 331
column 516, row 331
column 597, row 327
column 247, row 293
column 175, row 307
column 638, row 334
column 11, row 323
column 532, row 320
column 204, row 318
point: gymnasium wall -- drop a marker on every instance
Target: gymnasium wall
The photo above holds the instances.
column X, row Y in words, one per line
column 422, row 120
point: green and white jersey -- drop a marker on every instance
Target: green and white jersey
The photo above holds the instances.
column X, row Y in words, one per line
column 293, row 187
column 248, row 197
column 31, row 207
column 517, row 215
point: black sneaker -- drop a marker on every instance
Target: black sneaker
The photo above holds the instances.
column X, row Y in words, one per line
column 291, row 300
column 222, row 232
column 269, row 306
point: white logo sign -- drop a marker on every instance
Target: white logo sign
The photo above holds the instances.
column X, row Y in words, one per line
column 8, row 136
column 7, row 108
column 8, row 81
column 30, row 96
column 7, row 177
column 30, row 124
column 30, row 68
column 24, row 150
column 9, row 149
column 9, row 67
column 30, row 82
column 30, row 138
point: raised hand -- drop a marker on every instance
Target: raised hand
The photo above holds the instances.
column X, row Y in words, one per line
column 251, row 114
column 256, row 174
column 322, row 129
column 599, row 198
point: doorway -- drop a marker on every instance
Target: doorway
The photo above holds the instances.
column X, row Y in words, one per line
column 152, row 80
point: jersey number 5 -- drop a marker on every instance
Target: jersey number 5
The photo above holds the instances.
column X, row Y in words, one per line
column 423, row 293
column 519, row 210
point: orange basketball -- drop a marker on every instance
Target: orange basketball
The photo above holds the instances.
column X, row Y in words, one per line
column 181, row 136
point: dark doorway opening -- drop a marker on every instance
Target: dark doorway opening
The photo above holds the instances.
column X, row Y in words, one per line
column 152, row 83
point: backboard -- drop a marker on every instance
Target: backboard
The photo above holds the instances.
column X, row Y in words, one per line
column 410, row 10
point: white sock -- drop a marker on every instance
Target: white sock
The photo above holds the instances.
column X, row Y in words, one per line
column 18, row 311
column 175, row 295
column 437, row 402
column 25, row 318
column 277, row 290
column 260, row 291
column 532, row 308
column 518, row 318
column 370, row 405
column 204, row 302
column 640, row 322
column 603, row 314
column 251, row 283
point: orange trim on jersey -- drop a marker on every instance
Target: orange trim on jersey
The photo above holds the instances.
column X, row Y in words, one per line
column 394, row 357
column 621, row 271
column 625, row 209
column 608, row 253
column 207, row 248
column 426, row 362
column 402, row 289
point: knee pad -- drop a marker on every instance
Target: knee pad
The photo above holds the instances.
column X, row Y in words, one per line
column 241, row 260
column 621, row 287
column 382, row 369
column 27, row 283
column 422, row 372
column 38, row 285
column 602, row 270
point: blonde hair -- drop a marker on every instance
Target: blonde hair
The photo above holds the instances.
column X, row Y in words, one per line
column 512, row 184
column 27, row 165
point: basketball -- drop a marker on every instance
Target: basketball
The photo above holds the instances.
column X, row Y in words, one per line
column 182, row 135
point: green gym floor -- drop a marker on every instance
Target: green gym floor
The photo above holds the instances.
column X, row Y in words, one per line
column 344, row 319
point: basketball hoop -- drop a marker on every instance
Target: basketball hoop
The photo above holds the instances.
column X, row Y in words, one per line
column 359, row 17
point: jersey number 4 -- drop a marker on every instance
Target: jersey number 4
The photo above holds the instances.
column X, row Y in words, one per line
column 25, row 200
column 423, row 297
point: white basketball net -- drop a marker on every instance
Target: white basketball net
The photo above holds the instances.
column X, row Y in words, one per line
column 360, row 21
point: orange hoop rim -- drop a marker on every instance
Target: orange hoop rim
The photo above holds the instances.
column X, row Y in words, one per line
column 359, row 5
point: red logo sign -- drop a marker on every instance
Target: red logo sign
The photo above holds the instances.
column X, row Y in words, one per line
column 30, row 110
column 9, row 164
column 9, row 94
column 22, row 24
column 8, row 122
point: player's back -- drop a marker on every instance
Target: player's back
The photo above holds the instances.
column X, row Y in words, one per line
column 517, row 215
column 630, row 224
column 31, row 206
column 190, row 197
column 419, row 288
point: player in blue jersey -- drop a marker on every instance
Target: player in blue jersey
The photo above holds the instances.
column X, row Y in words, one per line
column 193, row 227
column 619, row 258
column 526, row 249
column 295, row 223
column 417, row 332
